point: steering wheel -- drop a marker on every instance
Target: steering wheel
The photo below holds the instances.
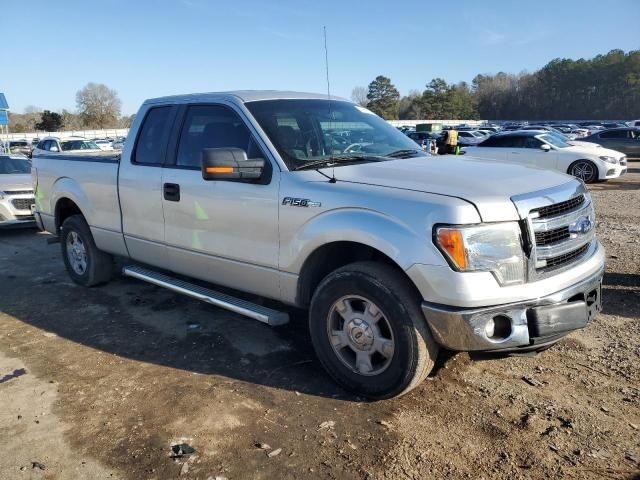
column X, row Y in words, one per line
column 354, row 146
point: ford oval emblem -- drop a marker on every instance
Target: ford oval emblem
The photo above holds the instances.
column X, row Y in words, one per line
column 582, row 226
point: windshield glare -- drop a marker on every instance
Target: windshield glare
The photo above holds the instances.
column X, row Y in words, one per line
column 10, row 165
column 305, row 131
column 554, row 139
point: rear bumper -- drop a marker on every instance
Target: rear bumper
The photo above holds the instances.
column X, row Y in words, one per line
column 524, row 324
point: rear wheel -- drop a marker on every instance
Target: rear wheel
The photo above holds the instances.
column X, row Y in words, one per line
column 86, row 265
column 585, row 170
column 369, row 332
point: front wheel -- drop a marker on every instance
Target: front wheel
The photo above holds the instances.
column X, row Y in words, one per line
column 368, row 331
column 585, row 170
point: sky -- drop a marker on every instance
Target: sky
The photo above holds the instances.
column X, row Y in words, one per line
column 151, row 48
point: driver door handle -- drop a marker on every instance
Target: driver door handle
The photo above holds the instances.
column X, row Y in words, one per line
column 171, row 192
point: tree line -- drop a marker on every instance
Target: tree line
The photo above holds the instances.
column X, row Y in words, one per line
column 604, row 87
column 98, row 107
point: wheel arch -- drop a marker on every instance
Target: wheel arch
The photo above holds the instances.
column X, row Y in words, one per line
column 334, row 255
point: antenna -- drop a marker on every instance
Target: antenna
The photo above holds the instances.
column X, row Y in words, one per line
column 326, row 66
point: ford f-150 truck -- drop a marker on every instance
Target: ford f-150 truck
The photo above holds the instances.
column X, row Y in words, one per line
column 318, row 203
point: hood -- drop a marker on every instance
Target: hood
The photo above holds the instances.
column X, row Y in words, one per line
column 486, row 184
column 595, row 151
column 16, row 181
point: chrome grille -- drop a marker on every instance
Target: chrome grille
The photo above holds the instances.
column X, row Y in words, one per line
column 559, row 208
column 23, row 203
column 18, row 192
column 561, row 228
column 552, row 236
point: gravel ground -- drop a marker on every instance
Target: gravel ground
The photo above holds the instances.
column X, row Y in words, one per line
column 101, row 383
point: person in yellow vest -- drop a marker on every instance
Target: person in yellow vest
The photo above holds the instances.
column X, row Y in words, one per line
column 452, row 141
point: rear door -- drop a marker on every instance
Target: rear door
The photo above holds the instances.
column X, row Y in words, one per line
column 225, row 232
column 619, row 139
column 527, row 150
column 140, row 187
column 493, row 148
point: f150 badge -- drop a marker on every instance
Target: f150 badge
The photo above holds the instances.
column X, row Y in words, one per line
column 299, row 202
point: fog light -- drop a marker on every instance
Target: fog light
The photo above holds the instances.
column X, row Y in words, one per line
column 610, row 172
column 498, row 328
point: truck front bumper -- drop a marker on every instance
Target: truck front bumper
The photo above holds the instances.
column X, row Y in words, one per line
column 517, row 326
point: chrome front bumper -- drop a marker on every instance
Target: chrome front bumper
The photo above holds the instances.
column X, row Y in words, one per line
column 532, row 323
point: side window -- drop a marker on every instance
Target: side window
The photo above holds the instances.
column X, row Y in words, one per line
column 614, row 134
column 532, row 142
column 152, row 141
column 212, row 126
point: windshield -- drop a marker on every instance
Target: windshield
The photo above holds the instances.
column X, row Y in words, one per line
column 554, row 139
column 306, row 131
column 79, row 145
column 10, row 165
column 18, row 143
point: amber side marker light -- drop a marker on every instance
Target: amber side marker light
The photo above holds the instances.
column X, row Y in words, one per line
column 451, row 241
column 219, row 169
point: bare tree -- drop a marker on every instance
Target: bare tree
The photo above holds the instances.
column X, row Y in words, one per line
column 98, row 106
column 359, row 95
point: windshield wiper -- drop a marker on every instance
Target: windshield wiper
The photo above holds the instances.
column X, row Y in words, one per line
column 338, row 160
column 406, row 153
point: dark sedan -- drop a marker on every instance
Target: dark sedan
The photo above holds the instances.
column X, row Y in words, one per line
column 625, row 140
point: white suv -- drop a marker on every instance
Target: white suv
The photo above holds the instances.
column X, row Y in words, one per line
column 545, row 150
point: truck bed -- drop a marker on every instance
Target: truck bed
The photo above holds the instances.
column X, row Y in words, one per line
column 90, row 181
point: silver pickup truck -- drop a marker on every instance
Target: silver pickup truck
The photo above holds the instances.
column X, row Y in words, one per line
column 317, row 203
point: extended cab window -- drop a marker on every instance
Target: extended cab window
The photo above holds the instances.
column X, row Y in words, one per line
column 212, row 126
column 151, row 144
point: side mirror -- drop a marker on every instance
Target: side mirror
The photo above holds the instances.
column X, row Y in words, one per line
column 545, row 147
column 230, row 164
column 54, row 149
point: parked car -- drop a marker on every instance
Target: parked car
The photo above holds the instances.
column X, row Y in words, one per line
column 105, row 145
column 118, row 143
column 16, row 191
column 393, row 252
column 21, row 147
column 57, row 146
column 625, row 140
column 543, row 149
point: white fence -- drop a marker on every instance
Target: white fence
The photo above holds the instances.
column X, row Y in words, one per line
column 413, row 123
column 90, row 134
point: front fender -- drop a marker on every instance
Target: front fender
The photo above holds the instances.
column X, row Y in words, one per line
column 395, row 239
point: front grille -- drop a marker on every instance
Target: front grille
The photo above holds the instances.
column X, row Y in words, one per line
column 552, row 236
column 19, row 192
column 22, row 203
column 560, row 260
column 25, row 218
column 559, row 208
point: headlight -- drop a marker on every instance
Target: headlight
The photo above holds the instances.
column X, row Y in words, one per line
column 608, row 159
column 495, row 248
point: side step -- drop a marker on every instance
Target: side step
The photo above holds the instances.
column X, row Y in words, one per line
column 237, row 305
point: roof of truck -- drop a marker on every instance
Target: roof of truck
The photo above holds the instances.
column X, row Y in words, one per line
column 244, row 96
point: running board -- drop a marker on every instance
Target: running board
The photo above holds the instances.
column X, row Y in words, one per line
column 237, row 305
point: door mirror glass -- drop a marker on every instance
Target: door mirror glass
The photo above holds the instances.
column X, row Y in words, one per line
column 230, row 164
column 545, row 147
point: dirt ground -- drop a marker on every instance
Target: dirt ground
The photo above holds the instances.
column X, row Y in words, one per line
column 100, row 383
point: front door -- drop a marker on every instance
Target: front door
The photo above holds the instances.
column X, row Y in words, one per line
column 528, row 151
column 224, row 232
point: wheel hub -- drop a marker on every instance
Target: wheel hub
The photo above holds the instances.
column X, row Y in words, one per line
column 360, row 334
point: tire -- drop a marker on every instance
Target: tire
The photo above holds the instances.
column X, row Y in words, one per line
column 86, row 265
column 585, row 170
column 362, row 289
